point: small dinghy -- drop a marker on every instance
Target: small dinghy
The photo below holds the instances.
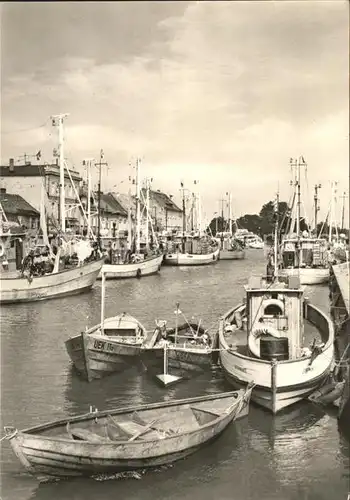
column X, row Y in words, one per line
column 126, row 439
column 113, row 345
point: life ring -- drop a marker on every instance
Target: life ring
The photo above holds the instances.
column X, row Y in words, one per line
column 114, row 245
column 2, row 250
column 273, row 302
column 138, row 273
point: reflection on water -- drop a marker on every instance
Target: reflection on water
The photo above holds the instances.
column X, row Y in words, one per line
column 297, row 455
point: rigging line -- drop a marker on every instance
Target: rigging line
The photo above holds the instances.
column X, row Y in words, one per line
column 6, row 132
column 307, row 204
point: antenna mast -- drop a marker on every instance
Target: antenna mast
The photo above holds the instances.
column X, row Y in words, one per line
column 99, row 165
column 57, row 121
column 316, row 205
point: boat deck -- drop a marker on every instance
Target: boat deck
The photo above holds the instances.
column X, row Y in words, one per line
column 237, row 340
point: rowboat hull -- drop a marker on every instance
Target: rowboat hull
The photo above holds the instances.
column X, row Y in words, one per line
column 133, row 270
column 50, row 286
column 187, row 259
column 180, row 358
column 307, row 276
column 306, row 378
column 95, row 356
column 227, row 254
column 47, row 456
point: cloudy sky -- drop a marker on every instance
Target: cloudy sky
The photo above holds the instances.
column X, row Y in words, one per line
column 220, row 92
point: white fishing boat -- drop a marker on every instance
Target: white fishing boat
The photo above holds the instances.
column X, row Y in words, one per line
column 230, row 247
column 56, row 284
column 191, row 259
column 303, row 256
column 138, row 263
column 58, row 280
column 194, row 249
column 277, row 339
column 256, row 243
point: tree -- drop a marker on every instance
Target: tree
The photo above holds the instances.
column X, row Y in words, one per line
column 268, row 217
column 251, row 222
column 217, row 225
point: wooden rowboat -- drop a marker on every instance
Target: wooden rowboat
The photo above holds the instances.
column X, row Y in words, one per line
column 126, row 439
column 106, row 349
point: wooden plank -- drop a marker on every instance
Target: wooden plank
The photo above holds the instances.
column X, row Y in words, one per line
column 84, row 435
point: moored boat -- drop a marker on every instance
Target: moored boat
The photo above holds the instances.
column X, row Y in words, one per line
column 277, row 339
column 110, row 346
column 302, row 255
column 231, row 249
column 305, row 258
column 106, row 349
column 191, row 259
column 125, row 439
column 287, row 355
column 135, row 263
column 187, row 348
column 141, row 267
column 56, row 284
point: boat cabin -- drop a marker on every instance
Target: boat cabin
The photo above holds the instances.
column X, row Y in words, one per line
column 305, row 252
column 275, row 317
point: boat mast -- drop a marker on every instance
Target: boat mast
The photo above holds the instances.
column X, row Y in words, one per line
column 103, row 296
column 230, row 213
column 276, row 235
column 316, row 205
column 177, row 312
column 137, row 250
column 57, row 121
column 343, row 210
column 298, row 201
column 183, row 211
column 199, row 223
column 99, row 165
column 148, row 183
column 88, row 162
column 333, row 221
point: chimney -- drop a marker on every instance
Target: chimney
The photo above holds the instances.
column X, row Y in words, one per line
column 12, row 165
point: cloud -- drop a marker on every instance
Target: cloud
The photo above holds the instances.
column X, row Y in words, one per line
column 224, row 92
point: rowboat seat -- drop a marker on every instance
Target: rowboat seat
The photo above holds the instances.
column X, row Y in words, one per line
column 204, row 416
column 138, row 419
column 78, row 433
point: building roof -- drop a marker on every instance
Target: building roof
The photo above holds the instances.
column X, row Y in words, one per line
column 109, row 203
column 164, row 201
column 14, row 204
column 36, row 170
column 126, row 201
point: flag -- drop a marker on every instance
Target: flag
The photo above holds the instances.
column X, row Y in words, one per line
column 38, row 155
column 182, row 184
column 195, row 182
column 102, row 155
column 302, row 160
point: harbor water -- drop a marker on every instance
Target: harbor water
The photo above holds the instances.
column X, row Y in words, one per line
column 298, row 454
